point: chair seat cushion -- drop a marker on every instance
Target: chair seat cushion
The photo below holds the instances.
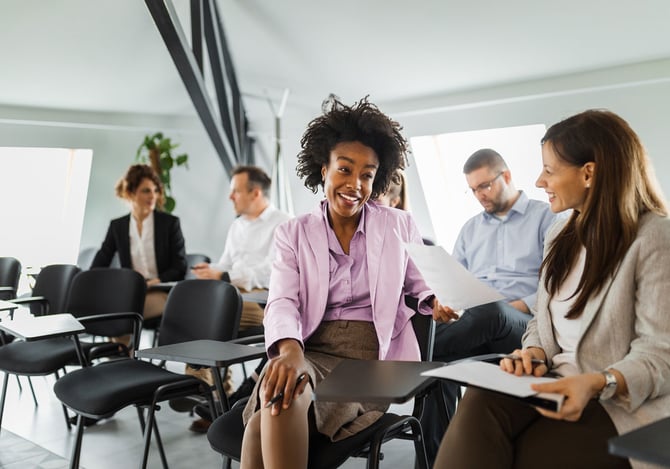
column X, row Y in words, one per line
column 226, row 432
column 43, row 357
column 39, row 357
column 117, row 384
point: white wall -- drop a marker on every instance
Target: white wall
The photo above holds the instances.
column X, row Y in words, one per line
column 201, row 192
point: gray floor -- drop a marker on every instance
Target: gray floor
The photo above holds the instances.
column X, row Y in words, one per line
column 118, row 442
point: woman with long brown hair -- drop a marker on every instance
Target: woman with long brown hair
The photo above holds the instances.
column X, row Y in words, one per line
column 600, row 323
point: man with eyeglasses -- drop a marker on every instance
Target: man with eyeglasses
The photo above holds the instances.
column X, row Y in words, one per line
column 502, row 246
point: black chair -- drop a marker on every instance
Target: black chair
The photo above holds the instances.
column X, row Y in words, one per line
column 195, row 309
column 10, row 271
column 51, row 289
column 49, row 295
column 153, row 324
column 193, row 259
column 225, row 434
column 92, row 293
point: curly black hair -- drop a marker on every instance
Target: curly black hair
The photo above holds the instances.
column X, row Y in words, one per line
column 363, row 122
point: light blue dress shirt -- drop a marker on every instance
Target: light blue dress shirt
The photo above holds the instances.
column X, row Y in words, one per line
column 506, row 253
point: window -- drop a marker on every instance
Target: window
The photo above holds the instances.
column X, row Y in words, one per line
column 439, row 162
column 43, row 193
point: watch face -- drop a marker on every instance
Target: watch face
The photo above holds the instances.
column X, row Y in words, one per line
column 610, row 386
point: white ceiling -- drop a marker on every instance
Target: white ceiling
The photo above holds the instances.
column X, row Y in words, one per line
column 106, row 55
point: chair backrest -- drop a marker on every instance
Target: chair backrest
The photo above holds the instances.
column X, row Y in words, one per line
column 107, row 290
column 201, row 309
column 10, row 271
column 86, row 256
column 191, row 260
column 424, row 328
column 53, row 283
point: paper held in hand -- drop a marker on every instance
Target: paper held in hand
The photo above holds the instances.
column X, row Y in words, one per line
column 453, row 285
column 490, row 376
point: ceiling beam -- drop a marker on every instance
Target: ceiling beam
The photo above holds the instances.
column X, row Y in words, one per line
column 167, row 22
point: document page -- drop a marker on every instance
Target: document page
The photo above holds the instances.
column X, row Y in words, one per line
column 490, row 376
column 452, row 284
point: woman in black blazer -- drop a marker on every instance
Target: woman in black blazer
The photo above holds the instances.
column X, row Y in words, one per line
column 156, row 250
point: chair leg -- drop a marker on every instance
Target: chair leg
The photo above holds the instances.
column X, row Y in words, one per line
column 161, row 449
column 150, row 425
column 32, row 390
column 419, row 445
column 76, row 448
column 4, row 394
column 140, row 415
column 67, row 416
column 18, row 381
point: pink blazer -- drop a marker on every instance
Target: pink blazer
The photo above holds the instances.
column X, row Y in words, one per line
column 300, row 280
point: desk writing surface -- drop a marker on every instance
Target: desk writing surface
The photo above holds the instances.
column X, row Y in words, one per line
column 7, row 305
column 374, row 381
column 650, row 443
column 42, row 327
column 203, row 352
column 162, row 286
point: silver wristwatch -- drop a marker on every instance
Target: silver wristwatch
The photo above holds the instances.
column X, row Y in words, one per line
column 610, row 386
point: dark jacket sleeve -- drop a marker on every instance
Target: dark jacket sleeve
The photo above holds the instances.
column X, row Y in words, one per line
column 171, row 260
column 103, row 258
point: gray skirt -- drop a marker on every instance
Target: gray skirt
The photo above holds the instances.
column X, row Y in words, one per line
column 331, row 343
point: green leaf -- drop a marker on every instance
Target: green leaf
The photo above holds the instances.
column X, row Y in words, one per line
column 170, row 204
column 182, row 159
column 167, row 162
column 165, row 146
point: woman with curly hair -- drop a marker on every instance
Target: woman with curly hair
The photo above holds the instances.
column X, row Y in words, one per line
column 337, row 288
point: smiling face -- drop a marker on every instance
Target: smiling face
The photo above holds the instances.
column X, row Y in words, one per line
column 566, row 185
column 348, row 178
column 144, row 198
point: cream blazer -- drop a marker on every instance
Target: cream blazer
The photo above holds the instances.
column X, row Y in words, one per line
column 626, row 326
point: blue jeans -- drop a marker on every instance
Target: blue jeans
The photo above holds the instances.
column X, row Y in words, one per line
column 490, row 328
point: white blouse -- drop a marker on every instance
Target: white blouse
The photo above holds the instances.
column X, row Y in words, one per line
column 567, row 331
column 142, row 252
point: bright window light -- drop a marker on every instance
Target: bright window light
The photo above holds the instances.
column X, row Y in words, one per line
column 439, row 163
column 43, row 193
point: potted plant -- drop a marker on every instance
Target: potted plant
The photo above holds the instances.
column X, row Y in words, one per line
column 156, row 150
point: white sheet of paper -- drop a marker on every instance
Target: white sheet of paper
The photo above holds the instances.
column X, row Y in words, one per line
column 453, row 285
column 488, row 376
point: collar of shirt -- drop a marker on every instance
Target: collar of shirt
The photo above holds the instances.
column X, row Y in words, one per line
column 329, row 229
column 519, row 207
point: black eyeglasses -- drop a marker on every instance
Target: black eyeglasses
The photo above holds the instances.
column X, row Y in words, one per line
column 485, row 186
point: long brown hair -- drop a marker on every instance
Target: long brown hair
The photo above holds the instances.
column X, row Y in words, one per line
column 623, row 188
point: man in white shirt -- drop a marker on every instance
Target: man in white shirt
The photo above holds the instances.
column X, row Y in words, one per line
column 247, row 258
column 246, row 261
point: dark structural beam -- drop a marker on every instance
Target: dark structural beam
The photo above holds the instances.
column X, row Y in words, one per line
column 196, row 31
column 165, row 17
column 240, row 118
column 214, row 53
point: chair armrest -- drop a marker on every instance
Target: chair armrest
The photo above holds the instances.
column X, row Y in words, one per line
column 135, row 317
column 28, row 300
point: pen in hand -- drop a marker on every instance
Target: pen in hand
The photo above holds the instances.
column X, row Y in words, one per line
column 279, row 396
